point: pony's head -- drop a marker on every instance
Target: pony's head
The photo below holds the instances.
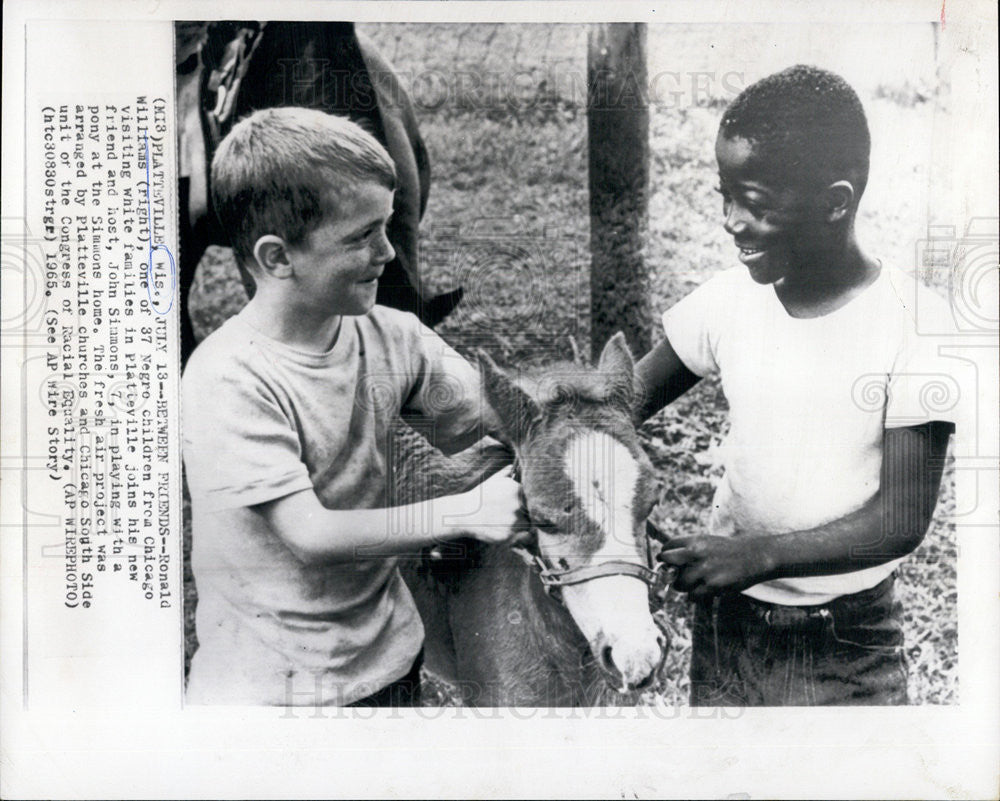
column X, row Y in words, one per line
column 588, row 488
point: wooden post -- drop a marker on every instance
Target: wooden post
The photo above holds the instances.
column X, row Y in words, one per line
column 618, row 136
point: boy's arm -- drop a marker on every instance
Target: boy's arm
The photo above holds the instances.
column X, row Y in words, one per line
column 890, row 525
column 316, row 534
column 445, row 401
column 660, row 377
column 693, row 328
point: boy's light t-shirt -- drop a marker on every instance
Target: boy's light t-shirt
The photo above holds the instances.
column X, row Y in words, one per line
column 261, row 421
column 809, row 400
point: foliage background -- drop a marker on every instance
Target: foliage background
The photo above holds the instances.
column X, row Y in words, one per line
column 502, row 109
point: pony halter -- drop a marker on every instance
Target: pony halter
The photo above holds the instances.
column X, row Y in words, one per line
column 553, row 578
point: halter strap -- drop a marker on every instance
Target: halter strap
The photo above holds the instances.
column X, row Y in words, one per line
column 615, row 567
column 655, row 578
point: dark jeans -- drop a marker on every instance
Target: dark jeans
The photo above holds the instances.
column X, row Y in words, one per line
column 750, row 653
column 402, row 692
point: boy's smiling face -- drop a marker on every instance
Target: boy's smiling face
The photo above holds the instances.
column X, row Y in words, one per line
column 337, row 267
column 768, row 218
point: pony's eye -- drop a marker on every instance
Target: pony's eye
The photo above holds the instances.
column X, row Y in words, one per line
column 548, row 518
column 563, row 401
column 539, row 518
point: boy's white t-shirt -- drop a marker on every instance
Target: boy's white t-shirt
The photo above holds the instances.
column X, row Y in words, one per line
column 261, row 421
column 809, row 400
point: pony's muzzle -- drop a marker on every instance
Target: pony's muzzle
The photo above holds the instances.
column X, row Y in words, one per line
column 627, row 669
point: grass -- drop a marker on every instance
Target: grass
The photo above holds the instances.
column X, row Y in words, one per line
column 508, row 219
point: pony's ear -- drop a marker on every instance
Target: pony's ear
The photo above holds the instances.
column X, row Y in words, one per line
column 514, row 408
column 617, row 366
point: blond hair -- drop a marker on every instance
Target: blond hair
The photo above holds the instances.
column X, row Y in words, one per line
column 282, row 171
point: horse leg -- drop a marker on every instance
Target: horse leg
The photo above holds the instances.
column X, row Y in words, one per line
column 191, row 251
column 395, row 289
column 396, row 126
column 440, row 306
column 195, row 217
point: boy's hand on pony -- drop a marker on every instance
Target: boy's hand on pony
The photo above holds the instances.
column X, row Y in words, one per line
column 490, row 511
column 707, row 565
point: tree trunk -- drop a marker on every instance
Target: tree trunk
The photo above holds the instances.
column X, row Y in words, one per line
column 618, row 132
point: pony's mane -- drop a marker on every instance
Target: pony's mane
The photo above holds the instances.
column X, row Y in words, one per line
column 423, row 472
column 563, row 381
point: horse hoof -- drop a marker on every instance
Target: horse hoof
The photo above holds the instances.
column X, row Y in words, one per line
column 440, row 306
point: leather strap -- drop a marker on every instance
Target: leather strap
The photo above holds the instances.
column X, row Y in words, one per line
column 552, row 579
column 615, row 567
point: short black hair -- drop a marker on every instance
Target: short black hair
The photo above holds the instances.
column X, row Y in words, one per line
column 807, row 123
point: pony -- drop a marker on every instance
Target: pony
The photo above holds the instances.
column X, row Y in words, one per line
column 228, row 69
column 565, row 619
